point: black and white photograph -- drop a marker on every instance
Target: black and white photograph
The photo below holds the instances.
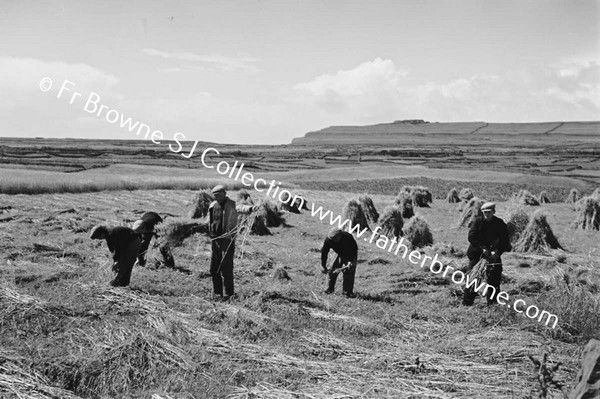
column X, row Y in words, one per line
column 299, row 199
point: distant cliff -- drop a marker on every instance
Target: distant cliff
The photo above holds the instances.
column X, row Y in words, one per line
column 406, row 131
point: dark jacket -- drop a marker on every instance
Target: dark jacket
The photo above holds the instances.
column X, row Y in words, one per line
column 223, row 219
column 492, row 235
column 118, row 239
column 342, row 243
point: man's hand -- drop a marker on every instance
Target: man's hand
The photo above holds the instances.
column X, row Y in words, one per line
column 486, row 253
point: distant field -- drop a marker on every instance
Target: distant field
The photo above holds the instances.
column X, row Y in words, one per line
column 23, row 181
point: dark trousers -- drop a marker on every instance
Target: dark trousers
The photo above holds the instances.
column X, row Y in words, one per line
column 493, row 276
column 221, row 266
column 146, row 238
column 124, row 263
column 348, row 283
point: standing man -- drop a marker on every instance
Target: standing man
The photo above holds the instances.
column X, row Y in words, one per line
column 222, row 228
column 124, row 245
column 488, row 238
column 145, row 227
column 344, row 245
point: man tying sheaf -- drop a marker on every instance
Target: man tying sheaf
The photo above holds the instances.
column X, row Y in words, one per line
column 145, row 227
column 124, row 244
column 488, row 239
column 344, row 245
column 223, row 223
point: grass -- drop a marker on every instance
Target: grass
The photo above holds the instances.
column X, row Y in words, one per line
column 405, row 335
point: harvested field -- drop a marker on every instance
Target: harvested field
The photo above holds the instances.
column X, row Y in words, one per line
column 67, row 333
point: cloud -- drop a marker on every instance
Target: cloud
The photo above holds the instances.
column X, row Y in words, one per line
column 217, row 61
column 367, row 90
column 378, row 91
column 21, row 78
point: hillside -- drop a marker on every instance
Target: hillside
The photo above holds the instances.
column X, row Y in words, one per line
column 406, row 132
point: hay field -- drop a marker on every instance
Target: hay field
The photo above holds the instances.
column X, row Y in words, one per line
column 67, row 333
column 114, row 177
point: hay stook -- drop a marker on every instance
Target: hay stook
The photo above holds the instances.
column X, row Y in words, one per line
column 452, row 197
column 537, row 236
column 243, row 198
column 517, row 220
column 200, row 203
column 391, row 222
column 543, row 198
column 293, row 204
column 525, row 197
column 421, row 196
column 471, row 211
column 355, row 214
column 588, row 217
column 369, row 208
column 417, row 232
column 466, row 194
column 405, row 203
column 573, row 196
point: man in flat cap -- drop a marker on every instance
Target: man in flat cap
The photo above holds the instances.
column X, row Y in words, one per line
column 344, row 245
column 145, row 227
column 488, row 239
column 223, row 228
column 124, row 245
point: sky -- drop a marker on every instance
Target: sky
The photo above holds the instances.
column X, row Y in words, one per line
column 264, row 72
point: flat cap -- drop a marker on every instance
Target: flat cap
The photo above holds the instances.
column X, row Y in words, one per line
column 488, row 206
column 217, row 188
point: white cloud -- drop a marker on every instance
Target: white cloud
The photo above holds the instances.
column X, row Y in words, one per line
column 20, row 83
column 377, row 91
column 221, row 62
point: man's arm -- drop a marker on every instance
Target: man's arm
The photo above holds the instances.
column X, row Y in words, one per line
column 475, row 234
column 245, row 209
column 503, row 239
column 113, row 247
column 324, row 253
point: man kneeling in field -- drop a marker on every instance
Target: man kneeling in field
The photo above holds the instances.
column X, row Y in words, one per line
column 124, row 245
column 344, row 245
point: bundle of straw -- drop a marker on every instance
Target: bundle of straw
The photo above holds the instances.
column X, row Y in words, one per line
column 369, row 208
column 355, row 214
column 452, row 196
column 200, row 203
